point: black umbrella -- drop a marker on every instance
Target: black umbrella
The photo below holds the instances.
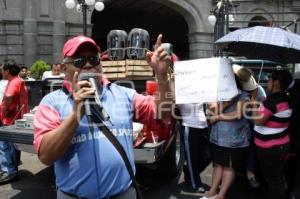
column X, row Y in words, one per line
column 259, row 42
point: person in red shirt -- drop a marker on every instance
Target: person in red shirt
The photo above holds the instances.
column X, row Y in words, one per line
column 13, row 106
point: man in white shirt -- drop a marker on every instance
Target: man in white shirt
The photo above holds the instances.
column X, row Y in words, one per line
column 54, row 73
column 196, row 144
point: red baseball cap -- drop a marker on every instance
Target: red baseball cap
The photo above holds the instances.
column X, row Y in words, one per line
column 72, row 45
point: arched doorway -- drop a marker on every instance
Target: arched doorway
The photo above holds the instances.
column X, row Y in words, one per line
column 146, row 14
column 258, row 21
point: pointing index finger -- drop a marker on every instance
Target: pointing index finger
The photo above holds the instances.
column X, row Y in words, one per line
column 75, row 80
column 158, row 41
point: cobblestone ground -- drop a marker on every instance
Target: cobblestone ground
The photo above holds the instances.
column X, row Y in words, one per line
column 36, row 181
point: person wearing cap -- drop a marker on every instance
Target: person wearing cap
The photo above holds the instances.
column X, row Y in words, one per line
column 88, row 166
column 258, row 94
column 271, row 132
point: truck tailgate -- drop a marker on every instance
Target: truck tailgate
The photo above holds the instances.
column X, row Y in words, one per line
column 22, row 138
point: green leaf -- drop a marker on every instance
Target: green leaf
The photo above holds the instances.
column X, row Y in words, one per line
column 38, row 68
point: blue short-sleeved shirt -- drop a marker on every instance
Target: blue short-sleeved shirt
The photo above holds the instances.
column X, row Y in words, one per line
column 92, row 167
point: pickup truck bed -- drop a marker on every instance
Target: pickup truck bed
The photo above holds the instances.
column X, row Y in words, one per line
column 23, row 140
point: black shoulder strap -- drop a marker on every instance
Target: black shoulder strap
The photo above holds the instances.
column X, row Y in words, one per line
column 105, row 130
column 97, row 119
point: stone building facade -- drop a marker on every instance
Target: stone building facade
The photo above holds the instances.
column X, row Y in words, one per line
column 37, row 29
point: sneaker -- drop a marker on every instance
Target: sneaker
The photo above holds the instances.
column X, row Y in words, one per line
column 213, row 197
column 5, row 177
column 201, row 189
column 253, row 182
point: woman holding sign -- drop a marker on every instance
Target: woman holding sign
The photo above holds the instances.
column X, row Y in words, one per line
column 229, row 140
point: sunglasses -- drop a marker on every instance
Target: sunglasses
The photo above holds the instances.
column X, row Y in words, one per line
column 79, row 62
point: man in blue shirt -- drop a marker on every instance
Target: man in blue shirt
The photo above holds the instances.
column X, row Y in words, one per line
column 86, row 164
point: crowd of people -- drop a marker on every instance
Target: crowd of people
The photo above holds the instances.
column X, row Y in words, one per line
column 261, row 127
column 252, row 131
column 54, row 73
column 14, row 103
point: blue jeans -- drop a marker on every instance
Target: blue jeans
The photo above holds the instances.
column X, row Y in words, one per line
column 8, row 158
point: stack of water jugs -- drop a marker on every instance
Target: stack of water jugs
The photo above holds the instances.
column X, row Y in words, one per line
column 134, row 45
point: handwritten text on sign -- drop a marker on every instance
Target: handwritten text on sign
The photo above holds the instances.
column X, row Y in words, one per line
column 204, row 80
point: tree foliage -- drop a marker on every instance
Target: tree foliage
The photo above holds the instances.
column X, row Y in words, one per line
column 38, row 68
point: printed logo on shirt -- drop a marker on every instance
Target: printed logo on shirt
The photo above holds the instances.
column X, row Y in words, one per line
column 80, row 138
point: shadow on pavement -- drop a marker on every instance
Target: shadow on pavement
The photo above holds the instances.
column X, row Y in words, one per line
column 241, row 190
column 40, row 185
column 155, row 185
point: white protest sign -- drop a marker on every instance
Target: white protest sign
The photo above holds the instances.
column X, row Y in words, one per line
column 204, row 80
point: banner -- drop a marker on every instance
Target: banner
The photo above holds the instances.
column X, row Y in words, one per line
column 204, row 80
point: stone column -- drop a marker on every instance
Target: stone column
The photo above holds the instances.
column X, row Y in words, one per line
column 200, row 45
column 59, row 29
column 3, row 43
column 30, row 32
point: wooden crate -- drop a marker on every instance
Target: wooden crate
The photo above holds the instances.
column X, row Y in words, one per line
column 139, row 73
column 138, row 68
column 131, row 69
column 133, row 62
column 113, row 63
column 115, row 75
column 114, row 69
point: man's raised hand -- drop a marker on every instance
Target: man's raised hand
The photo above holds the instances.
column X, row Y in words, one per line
column 159, row 60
